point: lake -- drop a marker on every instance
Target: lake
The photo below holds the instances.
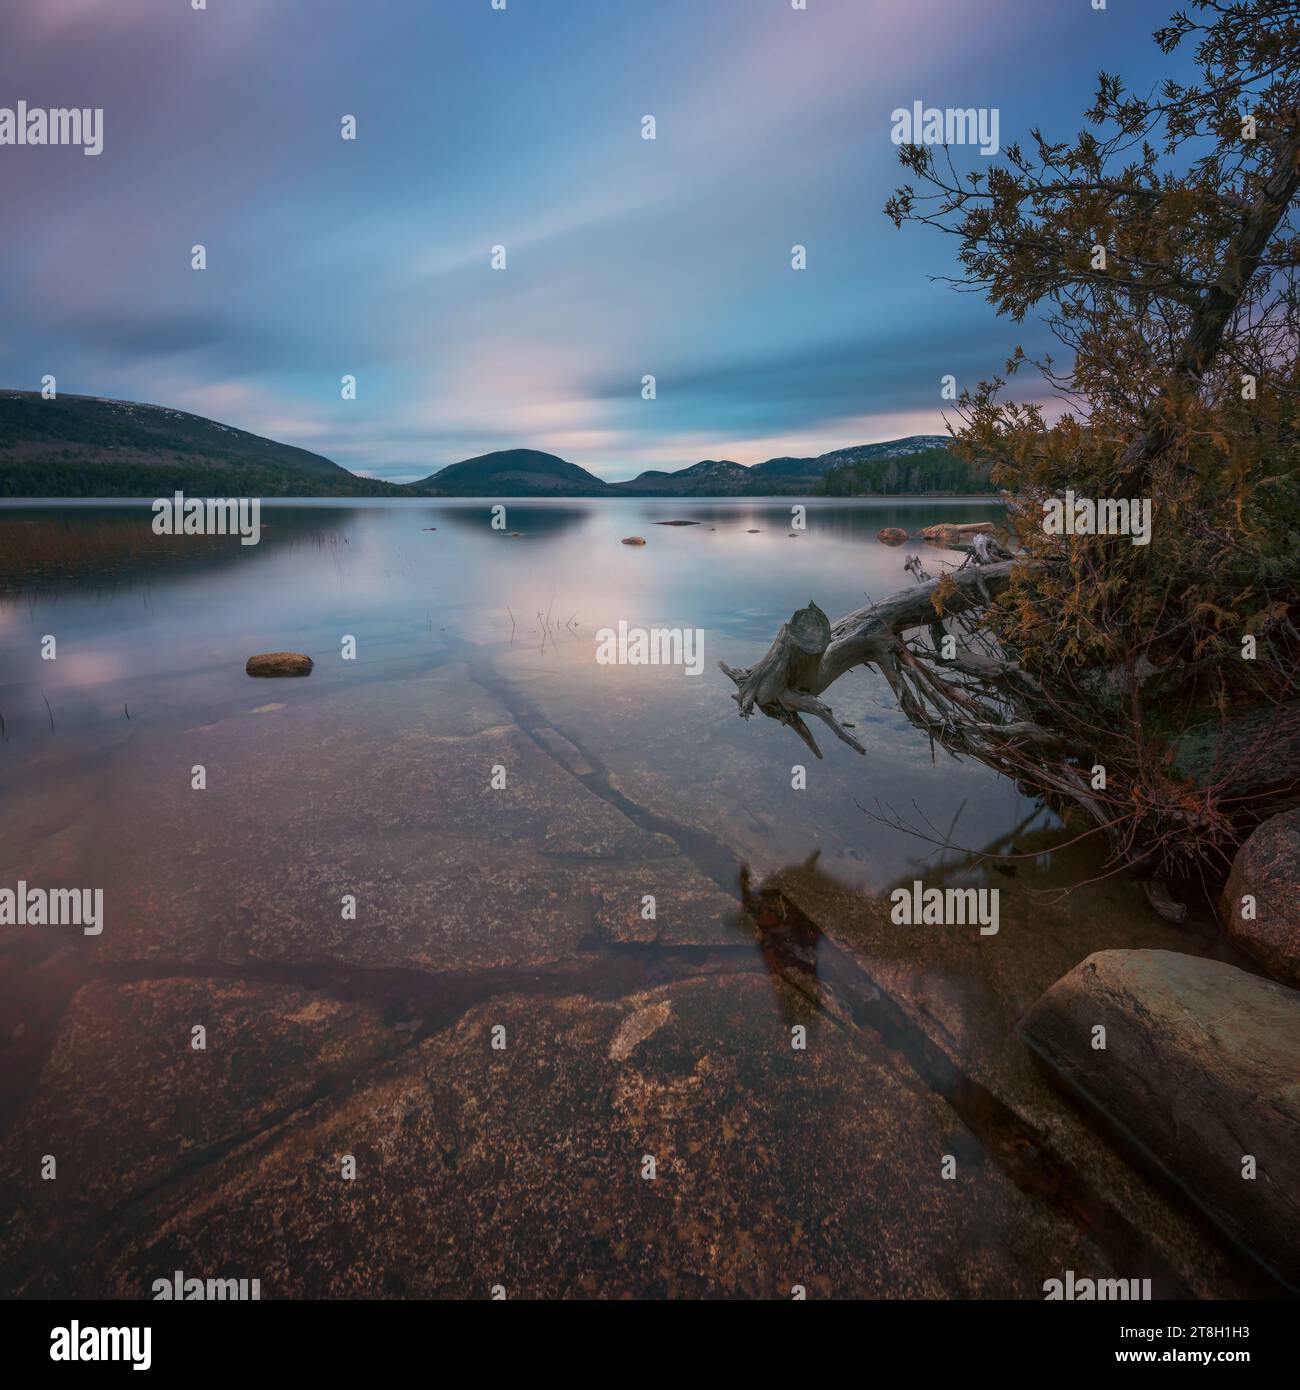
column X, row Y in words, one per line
column 513, row 969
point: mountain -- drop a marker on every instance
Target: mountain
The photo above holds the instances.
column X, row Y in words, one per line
column 785, row 467
column 711, row 478
column 890, row 449
column 87, row 446
column 820, row 466
column 513, row 473
column 921, row 463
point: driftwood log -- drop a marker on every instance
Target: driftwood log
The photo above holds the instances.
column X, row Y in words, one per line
column 974, row 702
column 810, row 652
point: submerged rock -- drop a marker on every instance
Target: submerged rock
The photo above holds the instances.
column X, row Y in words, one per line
column 1262, row 899
column 891, row 535
column 633, row 540
column 145, row 1083
column 521, row 877
column 653, row 1146
column 279, row 664
column 1200, row 1068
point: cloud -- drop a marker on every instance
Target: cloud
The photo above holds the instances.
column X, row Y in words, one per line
column 626, row 257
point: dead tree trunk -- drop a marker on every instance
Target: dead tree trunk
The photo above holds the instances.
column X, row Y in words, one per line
column 975, row 702
column 810, row 652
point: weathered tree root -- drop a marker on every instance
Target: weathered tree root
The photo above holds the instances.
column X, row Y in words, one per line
column 810, row 652
column 988, row 708
column 777, row 685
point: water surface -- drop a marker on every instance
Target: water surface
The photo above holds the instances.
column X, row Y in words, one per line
column 164, row 638
column 475, row 831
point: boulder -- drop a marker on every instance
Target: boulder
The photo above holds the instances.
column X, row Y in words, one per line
column 279, row 664
column 1201, row 1070
column 1262, row 899
column 633, row 540
column 892, row 535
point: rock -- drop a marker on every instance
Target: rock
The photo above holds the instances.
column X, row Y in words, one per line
column 568, row 864
column 633, row 540
column 525, row 1167
column 564, row 752
column 1201, row 1067
column 131, row 1108
column 677, row 523
column 279, row 664
column 946, row 532
column 891, row 535
column 1252, row 758
column 1267, row 869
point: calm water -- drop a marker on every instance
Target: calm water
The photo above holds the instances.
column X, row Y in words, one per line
column 165, row 640
column 498, row 809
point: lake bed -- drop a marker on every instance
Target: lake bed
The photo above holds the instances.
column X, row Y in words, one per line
column 528, row 936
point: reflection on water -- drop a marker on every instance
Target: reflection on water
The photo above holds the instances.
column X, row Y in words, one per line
column 165, row 639
column 472, row 827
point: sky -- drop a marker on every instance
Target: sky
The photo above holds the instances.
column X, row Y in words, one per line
column 479, row 127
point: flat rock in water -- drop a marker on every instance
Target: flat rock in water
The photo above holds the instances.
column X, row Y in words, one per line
column 677, row 523
column 946, row 532
column 564, row 752
column 131, row 1108
column 530, row 1162
column 891, row 535
column 279, row 664
column 1262, row 899
column 1201, row 1067
column 633, row 540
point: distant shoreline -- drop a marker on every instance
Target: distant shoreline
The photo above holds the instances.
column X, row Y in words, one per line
column 425, row 498
column 93, row 447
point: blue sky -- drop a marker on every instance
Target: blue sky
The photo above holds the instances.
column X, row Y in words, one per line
column 522, row 127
